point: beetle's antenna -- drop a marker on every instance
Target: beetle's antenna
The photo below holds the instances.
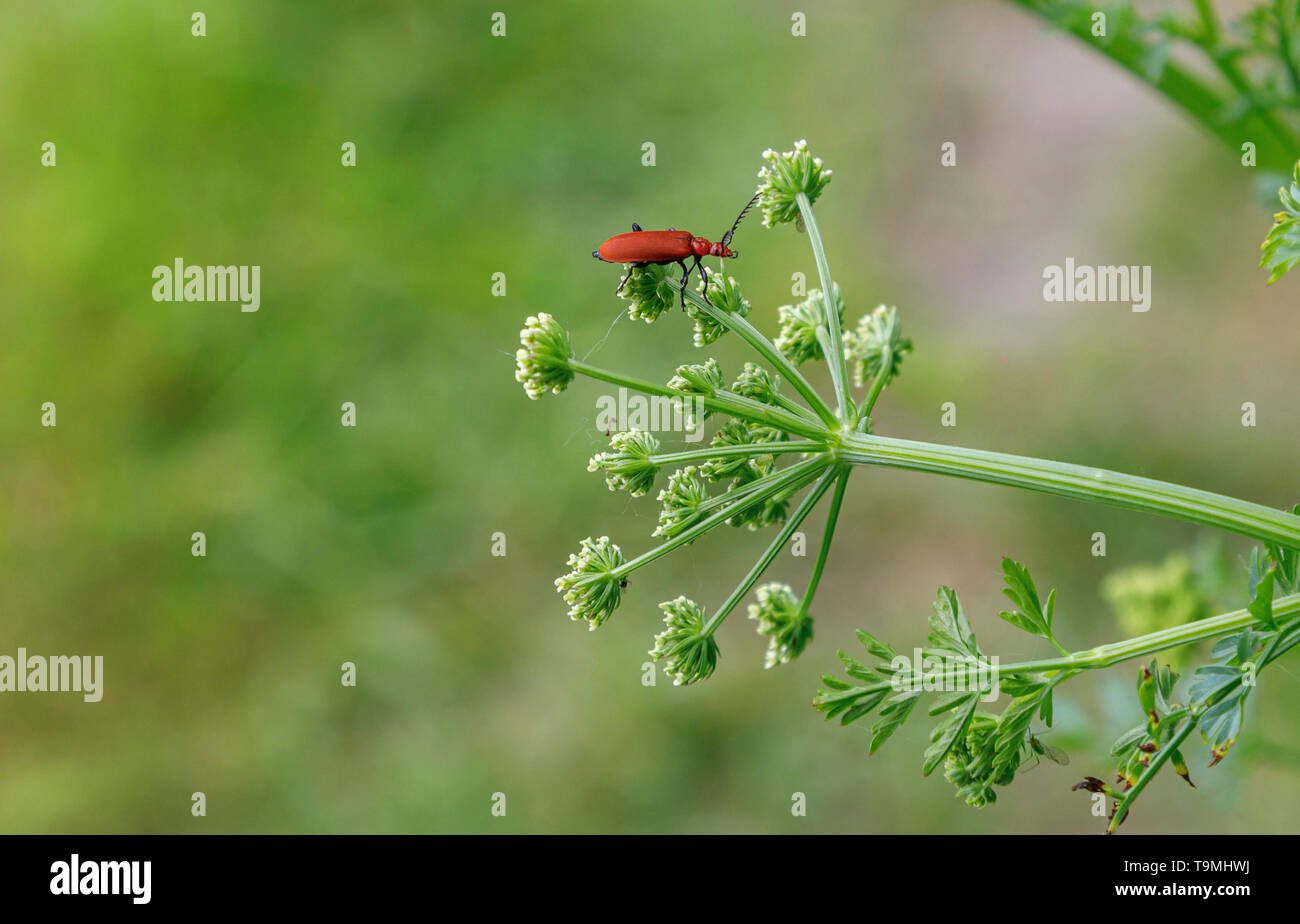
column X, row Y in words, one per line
column 726, row 238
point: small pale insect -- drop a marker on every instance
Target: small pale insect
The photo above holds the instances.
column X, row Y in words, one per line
column 1039, row 750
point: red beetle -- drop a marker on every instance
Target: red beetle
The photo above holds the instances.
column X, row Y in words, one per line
column 642, row 248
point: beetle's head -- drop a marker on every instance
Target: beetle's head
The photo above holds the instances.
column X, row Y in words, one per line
column 704, row 248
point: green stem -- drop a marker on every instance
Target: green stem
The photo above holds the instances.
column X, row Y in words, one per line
column 765, row 348
column 1285, row 23
column 1143, row 645
column 733, row 494
column 791, row 524
column 832, row 516
column 1152, row 768
column 724, row 401
column 1282, row 642
column 1238, row 81
column 877, row 386
column 835, row 355
column 731, row 452
column 1224, row 61
column 1067, row 480
column 793, row 478
column 1113, row 653
column 1209, row 21
column 793, row 407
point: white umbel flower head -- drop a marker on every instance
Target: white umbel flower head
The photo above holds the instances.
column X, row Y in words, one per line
column 689, row 655
column 783, row 177
column 627, row 464
column 877, row 347
column 799, row 323
column 682, row 499
column 778, row 616
column 542, row 360
column 591, row 588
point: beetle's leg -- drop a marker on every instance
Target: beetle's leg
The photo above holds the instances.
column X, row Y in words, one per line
column 630, row 268
column 686, row 274
column 635, row 226
column 704, row 276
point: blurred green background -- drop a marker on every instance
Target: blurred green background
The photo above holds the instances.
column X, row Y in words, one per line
column 518, row 155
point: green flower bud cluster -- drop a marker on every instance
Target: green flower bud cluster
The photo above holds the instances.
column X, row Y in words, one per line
column 628, row 464
column 689, row 653
column 542, row 360
column 722, row 292
column 783, row 177
column 798, row 338
column 591, row 587
column 781, row 619
column 877, row 346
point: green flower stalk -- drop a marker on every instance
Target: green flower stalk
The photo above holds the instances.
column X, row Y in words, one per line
column 779, row 448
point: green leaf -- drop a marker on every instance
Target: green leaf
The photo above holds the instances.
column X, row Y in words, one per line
column 1030, row 614
column 947, row 702
column 1262, row 606
column 1129, row 740
column 949, row 628
column 1222, row 721
column 946, row 733
column 858, row 670
column 1165, row 680
column 1045, row 710
column 1020, row 684
column 1282, row 246
column 892, row 715
column 874, row 645
column 1013, row 726
column 1210, row 679
column 861, row 709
